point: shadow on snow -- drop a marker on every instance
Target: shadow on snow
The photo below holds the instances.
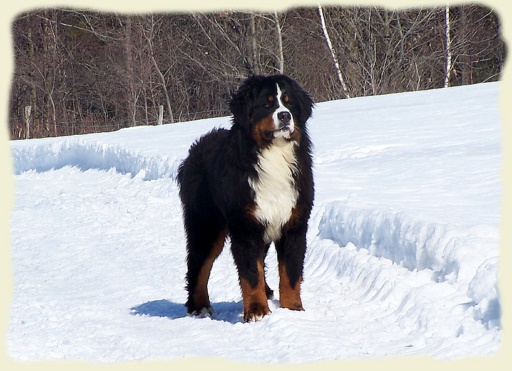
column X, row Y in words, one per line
column 224, row 311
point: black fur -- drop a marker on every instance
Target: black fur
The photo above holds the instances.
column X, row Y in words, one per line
column 217, row 198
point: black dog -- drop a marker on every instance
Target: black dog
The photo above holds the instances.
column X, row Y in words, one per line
column 254, row 183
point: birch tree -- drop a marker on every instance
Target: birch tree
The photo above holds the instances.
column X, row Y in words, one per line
column 448, row 48
column 279, row 37
column 333, row 53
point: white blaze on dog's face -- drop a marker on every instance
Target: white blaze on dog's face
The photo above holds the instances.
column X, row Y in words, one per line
column 283, row 118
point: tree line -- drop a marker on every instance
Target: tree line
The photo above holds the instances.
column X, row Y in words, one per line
column 79, row 71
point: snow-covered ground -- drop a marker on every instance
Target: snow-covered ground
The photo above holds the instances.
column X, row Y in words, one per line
column 402, row 247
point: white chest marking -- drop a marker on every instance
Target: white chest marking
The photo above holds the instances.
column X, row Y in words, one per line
column 276, row 193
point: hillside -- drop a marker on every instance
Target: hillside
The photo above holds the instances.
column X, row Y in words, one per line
column 402, row 246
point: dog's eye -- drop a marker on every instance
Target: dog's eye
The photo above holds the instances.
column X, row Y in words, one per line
column 270, row 102
column 286, row 100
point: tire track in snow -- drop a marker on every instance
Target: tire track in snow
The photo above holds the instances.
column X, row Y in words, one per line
column 375, row 298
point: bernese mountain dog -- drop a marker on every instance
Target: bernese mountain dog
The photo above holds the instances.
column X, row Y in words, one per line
column 253, row 183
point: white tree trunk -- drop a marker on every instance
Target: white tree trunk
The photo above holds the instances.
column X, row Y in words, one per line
column 333, row 53
column 448, row 48
column 160, row 115
column 279, row 42
column 28, row 118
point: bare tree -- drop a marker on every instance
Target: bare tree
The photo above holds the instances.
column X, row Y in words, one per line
column 132, row 93
column 81, row 71
column 149, row 35
column 333, row 53
column 254, row 44
column 279, row 37
column 448, row 48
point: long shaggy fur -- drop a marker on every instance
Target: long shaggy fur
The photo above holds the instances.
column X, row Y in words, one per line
column 253, row 182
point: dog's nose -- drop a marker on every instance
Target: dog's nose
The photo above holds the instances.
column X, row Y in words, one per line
column 284, row 117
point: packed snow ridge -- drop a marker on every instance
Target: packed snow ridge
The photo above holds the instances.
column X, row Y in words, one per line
column 86, row 155
column 402, row 246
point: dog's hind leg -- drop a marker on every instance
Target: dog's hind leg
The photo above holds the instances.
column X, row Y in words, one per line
column 205, row 240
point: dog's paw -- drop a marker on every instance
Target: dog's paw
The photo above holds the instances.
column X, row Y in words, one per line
column 294, row 305
column 256, row 312
column 297, row 307
column 202, row 312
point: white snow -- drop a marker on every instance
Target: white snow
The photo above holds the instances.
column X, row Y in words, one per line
column 402, row 246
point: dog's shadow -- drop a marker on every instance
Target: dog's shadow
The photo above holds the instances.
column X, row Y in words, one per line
column 224, row 311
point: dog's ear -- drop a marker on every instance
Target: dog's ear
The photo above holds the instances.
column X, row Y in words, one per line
column 242, row 100
column 238, row 105
column 305, row 102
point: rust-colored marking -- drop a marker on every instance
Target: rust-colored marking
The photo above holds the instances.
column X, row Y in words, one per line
column 254, row 298
column 200, row 295
column 289, row 296
column 295, row 135
column 262, row 131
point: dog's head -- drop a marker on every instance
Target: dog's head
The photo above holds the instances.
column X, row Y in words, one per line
column 271, row 107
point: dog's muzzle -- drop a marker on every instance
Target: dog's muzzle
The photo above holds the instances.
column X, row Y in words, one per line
column 284, row 124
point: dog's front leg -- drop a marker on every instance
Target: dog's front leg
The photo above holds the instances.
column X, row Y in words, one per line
column 291, row 250
column 248, row 256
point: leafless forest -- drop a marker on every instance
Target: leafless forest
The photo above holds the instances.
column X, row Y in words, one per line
column 80, row 71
